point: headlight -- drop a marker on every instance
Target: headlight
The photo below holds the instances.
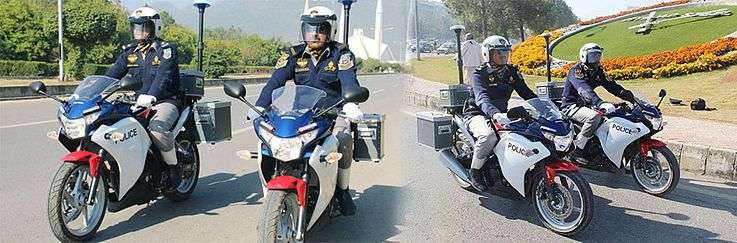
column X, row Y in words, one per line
column 657, row 122
column 74, row 128
column 287, row 149
column 562, row 143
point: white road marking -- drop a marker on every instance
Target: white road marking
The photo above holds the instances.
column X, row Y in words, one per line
column 251, row 196
column 378, row 91
column 28, row 124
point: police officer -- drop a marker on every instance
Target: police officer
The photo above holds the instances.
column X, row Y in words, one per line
column 492, row 84
column 153, row 62
column 327, row 65
column 579, row 98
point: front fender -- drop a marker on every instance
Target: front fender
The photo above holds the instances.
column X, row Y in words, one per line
column 82, row 156
column 558, row 166
column 289, row 183
column 648, row 144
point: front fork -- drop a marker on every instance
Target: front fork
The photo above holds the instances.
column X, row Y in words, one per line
column 95, row 178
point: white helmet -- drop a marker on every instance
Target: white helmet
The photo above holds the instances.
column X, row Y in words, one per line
column 495, row 42
column 145, row 18
column 590, row 53
column 320, row 20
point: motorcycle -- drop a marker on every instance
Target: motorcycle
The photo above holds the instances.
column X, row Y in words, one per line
column 111, row 164
column 298, row 159
column 625, row 145
column 527, row 158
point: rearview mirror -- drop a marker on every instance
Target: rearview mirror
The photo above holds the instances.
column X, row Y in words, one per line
column 234, row 89
column 357, row 95
column 662, row 93
column 517, row 113
column 38, row 87
column 130, row 84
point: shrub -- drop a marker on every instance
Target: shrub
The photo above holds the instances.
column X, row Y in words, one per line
column 531, row 53
column 95, row 69
column 374, row 66
column 27, row 68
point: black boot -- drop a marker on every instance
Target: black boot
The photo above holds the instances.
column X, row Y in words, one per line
column 477, row 180
column 175, row 177
column 347, row 207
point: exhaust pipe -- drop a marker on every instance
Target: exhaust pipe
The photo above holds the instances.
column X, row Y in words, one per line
column 449, row 160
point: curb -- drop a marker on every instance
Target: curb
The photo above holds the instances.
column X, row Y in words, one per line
column 704, row 160
column 25, row 92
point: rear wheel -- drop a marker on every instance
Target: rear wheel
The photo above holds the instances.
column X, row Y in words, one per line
column 280, row 217
column 69, row 215
column 658, row 173
column 190, row 172
column 565, row 207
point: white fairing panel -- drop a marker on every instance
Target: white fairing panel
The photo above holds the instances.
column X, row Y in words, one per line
column 516, row 155
column 327, row 174
column 616, row 133
column 128, row 142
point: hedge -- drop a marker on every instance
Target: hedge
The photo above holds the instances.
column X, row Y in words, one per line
column 28, row 68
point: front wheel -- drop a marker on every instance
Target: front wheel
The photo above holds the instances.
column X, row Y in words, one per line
column 69, row 215
column 565, row 206
column 658, row 173
column 280, row 216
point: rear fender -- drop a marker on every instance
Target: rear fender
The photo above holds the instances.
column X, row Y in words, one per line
column 81, row 156
column 288, row 183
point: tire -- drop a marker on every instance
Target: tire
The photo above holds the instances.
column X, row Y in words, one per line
column 645, row 178
column 57, row 195
column 191, row 175
column 279, row 205
column 542, row 206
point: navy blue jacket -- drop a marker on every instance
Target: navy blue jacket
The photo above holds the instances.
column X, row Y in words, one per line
column 334, row 72
column 581, row 82
column 157, row 68
column 492, row 88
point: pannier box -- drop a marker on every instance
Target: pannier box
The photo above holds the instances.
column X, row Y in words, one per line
column 192, row 84
column 212, row 119
column 368, row 138
column 551, row 91
column 453, row 96
column 435, row 130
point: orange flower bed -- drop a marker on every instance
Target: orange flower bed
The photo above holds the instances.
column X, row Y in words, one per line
column 531, row 53
column 681, row 55
column 622, row 13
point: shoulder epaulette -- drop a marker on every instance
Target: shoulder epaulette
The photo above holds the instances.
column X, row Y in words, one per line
column 128, row 47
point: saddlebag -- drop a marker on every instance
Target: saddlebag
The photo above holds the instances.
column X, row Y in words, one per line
column 191, row 84
column 552, row 91
column 368, row 138
column 453, row 96
column 212, row 120
column 434, row 129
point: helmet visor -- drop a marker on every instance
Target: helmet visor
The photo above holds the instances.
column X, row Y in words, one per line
column 593, row 56
column 500, row 57
column 142, row 31
column 317, row 32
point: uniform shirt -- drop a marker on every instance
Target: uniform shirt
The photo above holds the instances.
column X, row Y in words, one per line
column 471, row 54
column 332, row 71
column 581, row 82
column 155, row 65
column 492, row 88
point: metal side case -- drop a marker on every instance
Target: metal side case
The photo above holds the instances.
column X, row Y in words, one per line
column 368, row 138
column 212, row 119
column 453, row 96
column 434, row 129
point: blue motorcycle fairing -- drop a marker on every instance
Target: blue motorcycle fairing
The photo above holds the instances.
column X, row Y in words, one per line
column 74, row 109
column 288, row 126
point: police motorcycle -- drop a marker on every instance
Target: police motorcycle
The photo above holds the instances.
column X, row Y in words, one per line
column 625, row 145
column 298, row 158
column 528, row 161
column 112, row 164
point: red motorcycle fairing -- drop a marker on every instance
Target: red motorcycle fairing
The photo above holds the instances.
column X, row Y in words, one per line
column 647, row 144
column 82, row 156
column 558, row 166
column 289, row 183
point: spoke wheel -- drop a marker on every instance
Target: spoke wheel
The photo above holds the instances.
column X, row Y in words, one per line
column 69, row 215
column 658, row 173
column 565, row 206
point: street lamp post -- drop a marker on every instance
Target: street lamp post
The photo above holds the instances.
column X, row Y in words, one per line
column 347, row 11
column 417, row 31
column 458, row 29
column 201, row 5
column 547, row 35
column 61, row 40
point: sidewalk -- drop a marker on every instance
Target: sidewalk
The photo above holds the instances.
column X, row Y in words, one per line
column 703, row 147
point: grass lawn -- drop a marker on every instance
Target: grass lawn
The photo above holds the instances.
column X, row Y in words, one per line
column 718, row 88
column 618, row 41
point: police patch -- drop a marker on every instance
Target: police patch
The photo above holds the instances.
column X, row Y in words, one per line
column 302, row 63
column 330, row 67
column 132, row 58
column 346, row 62
column 167, row 53
column 579, row 73
column 282, row 62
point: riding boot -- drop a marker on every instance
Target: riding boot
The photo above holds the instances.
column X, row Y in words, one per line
column 477, row 180
column 347, row 207
column 175, row 176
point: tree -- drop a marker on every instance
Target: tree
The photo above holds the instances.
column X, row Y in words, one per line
column 185, row 39
column 91, row 32
column 27, row 31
